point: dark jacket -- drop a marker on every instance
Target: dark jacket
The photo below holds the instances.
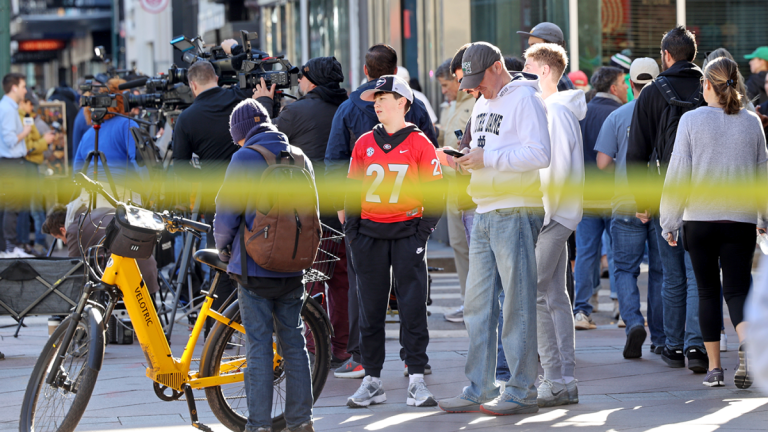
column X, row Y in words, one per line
column 598, row 109
column 203, row 129
column 67, row 95
column 565, row 83
column 356, row 117
column 756, row 88
column 235, row 199
column 80, row 127
column 307, row 122
column 685, row 78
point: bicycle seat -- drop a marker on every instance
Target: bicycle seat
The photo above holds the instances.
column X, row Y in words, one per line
column 210, row 257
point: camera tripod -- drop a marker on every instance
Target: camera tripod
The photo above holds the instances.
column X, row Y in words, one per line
column 95, row 155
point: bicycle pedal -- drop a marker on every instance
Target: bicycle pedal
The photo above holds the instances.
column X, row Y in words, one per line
column 202, row 427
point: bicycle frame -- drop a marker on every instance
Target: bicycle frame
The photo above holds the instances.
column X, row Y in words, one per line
column 163, row 367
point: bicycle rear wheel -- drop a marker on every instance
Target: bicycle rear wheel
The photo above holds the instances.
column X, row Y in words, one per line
column 225, row 345
column 46, row 408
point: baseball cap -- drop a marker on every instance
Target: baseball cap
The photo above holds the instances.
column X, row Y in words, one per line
column 760, row 52
column 548, row 31
column 477, row 58
column 389, row 83
column 578, row 78
column 643, row 70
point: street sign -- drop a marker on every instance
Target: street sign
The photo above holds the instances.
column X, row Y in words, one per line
column 41, row 45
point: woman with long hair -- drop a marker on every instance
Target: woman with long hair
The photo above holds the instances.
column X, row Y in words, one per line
column 715, row 190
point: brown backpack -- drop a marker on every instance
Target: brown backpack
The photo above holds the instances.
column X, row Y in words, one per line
column 286, row 229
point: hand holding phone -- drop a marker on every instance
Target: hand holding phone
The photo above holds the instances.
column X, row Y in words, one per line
column 453, row 153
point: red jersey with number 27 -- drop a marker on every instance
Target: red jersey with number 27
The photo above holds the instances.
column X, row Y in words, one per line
column 392, row 176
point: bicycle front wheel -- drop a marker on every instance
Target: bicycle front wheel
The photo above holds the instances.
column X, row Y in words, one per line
column 59, row 407
column 227, row 347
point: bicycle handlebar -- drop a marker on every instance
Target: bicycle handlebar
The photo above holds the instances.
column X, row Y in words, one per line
column 82, row 180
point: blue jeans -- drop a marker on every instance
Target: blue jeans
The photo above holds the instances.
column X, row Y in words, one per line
column 680, row 295
column 262, row 317
column 589, row 235
column 502, row 258
column 607, row 250
column 629, row 239
column 502, row 369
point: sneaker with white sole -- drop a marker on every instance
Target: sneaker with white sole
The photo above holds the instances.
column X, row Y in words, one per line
column 419, row 395
column 573, row 391
column 552, row 393
column 456, row 316
column 459, row 404
column 506, row 405
column 723, row 342
column 427, row 370
column 715, row 378
column 18, row 252
column 582, row 321
column 743, row 379
column 350, row 369
column 371, row 392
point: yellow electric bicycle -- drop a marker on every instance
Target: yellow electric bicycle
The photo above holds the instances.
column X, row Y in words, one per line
column 66, row 371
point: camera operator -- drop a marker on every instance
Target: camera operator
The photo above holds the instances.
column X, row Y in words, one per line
column 307, row 124
column 203, row 129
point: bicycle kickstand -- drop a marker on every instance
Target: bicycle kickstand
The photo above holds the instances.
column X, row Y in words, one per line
column 193, row 409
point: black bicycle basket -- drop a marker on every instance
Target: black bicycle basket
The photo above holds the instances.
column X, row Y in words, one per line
column 133, row 232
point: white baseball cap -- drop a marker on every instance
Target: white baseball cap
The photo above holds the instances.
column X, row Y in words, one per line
column 643, row 70
column 389, row 83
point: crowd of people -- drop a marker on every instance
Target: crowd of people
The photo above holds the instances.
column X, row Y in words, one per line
column 549, row 178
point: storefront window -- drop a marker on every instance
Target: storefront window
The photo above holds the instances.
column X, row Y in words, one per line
column 738, row 26
column 498, row 21
column 329, row 34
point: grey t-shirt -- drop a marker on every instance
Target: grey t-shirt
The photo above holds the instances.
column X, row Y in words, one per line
column 612, row 140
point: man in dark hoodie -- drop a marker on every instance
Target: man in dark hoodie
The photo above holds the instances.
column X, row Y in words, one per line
column 307, row 124
column 269, row 301
column 354, row 118
column 679, row 291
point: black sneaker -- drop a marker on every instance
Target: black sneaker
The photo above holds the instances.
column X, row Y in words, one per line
column 656, row 349
column 634, row 346
column 742, row 379
column 673, row 357
column 698, row 362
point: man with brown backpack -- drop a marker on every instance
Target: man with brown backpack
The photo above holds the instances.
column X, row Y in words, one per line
column 267, row 228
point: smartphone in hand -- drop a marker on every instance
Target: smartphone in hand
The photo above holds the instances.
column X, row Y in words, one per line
column 453, row 153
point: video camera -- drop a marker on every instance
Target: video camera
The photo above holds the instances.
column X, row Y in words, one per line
column 96, row 100
column 192, row 50
column 166, row 92
column 274, row 70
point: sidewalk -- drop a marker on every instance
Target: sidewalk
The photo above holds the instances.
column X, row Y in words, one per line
column 615, row 394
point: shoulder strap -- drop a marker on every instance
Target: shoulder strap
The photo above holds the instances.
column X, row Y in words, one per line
column 670, row 95
column 297, row 154
column 243, row 260
column 266, row 154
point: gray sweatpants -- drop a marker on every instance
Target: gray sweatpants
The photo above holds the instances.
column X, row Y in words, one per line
column 554, row 318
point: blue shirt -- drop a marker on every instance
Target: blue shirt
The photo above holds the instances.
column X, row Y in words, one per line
column 613, row 141
column 78, row 130
column 11, row 146
column 118, row 146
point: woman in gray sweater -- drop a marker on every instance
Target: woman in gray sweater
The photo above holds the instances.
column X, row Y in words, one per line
column 716, row 190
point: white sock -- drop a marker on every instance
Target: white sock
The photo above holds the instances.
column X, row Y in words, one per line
column 412, row 378
column 568, row 380
column 373, row 379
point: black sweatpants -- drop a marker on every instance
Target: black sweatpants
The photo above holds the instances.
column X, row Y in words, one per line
column 730, row 246
column 376, row 261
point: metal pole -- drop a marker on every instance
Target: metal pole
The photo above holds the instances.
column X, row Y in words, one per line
column 680, row 4
column 5, row 37
column 573, row 27
column 115, row 31
column 304, row 16
column 354, row 45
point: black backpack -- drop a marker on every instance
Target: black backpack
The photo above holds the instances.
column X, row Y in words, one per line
column 670, row 118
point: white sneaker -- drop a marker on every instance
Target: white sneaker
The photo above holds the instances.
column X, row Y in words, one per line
column 369, row 393
column 456, row 316
column 502, row 384
column 419, row 395
column 723, row 342
column 18, row 252
column 552, row 393
column 583, row 321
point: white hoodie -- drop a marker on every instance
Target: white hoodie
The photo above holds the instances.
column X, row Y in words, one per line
column 512, row 130
column 563, row 180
